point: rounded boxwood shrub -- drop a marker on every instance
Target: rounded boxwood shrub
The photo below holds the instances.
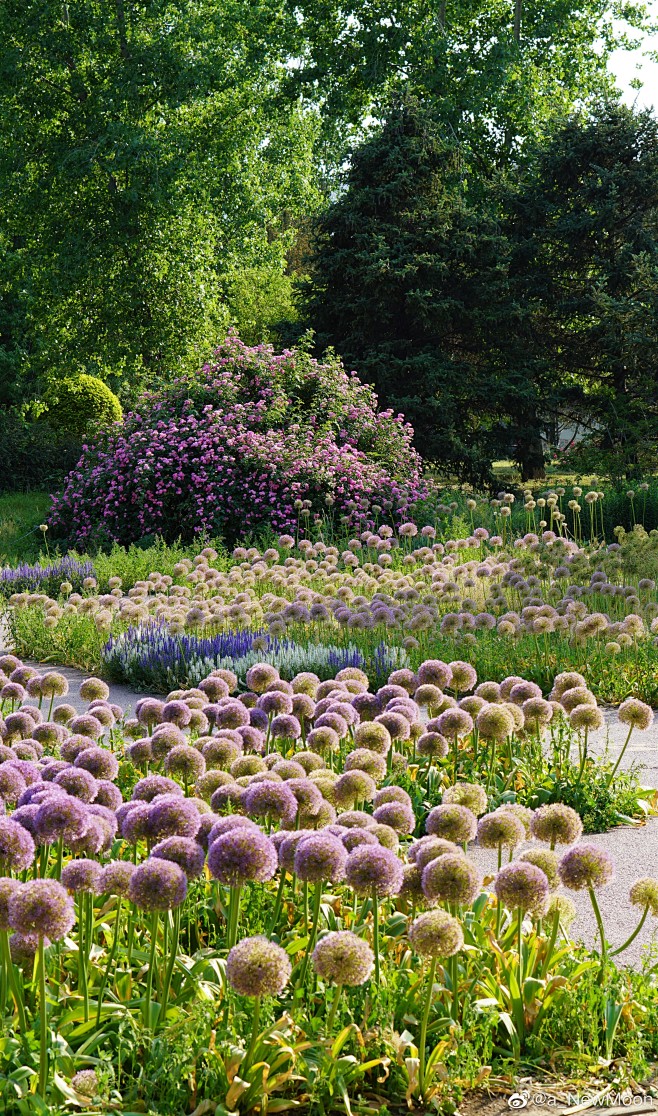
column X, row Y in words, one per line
column 239, row 447
column 81, row 405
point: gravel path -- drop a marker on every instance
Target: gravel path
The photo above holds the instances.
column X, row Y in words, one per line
column 633, row 848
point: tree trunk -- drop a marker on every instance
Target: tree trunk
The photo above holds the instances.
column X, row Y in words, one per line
column 530, row 454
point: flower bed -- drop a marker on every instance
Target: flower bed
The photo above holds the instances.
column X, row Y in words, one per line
column 253, row 897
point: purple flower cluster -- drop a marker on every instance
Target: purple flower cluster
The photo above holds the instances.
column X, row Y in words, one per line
column 219, row 454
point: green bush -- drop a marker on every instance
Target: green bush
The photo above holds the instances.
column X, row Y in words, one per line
column 35, row 456
column 81, row 404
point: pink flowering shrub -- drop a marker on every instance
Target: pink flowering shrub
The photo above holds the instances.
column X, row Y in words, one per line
column 236, row 448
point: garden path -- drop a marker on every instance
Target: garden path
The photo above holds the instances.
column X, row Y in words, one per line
column 633, row 848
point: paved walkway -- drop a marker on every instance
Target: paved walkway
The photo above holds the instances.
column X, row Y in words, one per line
column 634, row 849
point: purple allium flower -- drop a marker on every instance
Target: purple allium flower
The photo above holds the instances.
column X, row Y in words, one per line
column 228, row 714
column 320, row 857
column 253, row 739
column 257, row 719
column 286, row 846
column 100, row 762
column 307, row 794
column 153, row 785
column 432, row 745
column 177, row 713
column 351, row 838
column 454, row 823
column 258, row 967
column 42, row 907
column 556, row 824
column 18, row 724
column 82, row 875
column 75, row 744
column 375, row 869
column 644, row 893
column 495, row 722
column 455, row 722
column 23, row 948
column 49, row 771
column 240, row 855
column 343, row 958
column 232, row 821
column 30, row 771
column 221, row 752
column 12, row 784
column 353, row 786
column 16, row 846
column 267, row 799
column 545, row 859
column 435, row 673
column 229, row 795
column 501, row 828
column 78, row 783
column 436, row 934
column 260, row 676
column 467, row 794
column 115, row 878
column 636, row 714
column 286, row 726
column 391, row 794
column 185, row 761
column 108, row 795
column 429, row 848
column 411, row 889
column 586, row 866
column 149, row 712
column 157, row 885
column 184, row 852
column 87, row 725
column 94, row 689
column 451, row 878
column 8, row 888
column 398, row 815
column 523, row 886
column 324, row 739
column 85, row 1082
column 172, row 816
column 61, row 815
column 362, row 759
column 25, row 816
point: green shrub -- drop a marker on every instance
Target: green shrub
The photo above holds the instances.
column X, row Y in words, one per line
column 81, row 404
column 34, row 454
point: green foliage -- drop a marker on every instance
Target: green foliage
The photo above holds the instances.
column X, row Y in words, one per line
column 406, row 270
column 20, row 516
column 81, row 404
column 492, row 307
column 581, row 224
column 145, row 158
column 34, row 454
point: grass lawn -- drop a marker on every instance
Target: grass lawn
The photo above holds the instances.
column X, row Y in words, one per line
column 20, row 516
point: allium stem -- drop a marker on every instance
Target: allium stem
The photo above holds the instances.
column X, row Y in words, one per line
column 375, row 921
column 551, row 941
column 173, row 952
column 422, row 1041
column 317, row 900
column 234, row 916
column 110, row 961
column 619, row 758
column 278, row 903
column 43, row 1019
column 16, row 991
column 599, row 922
column 633, row 936
column 332, row 1012
column 244, row 1068
column 149, row 975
